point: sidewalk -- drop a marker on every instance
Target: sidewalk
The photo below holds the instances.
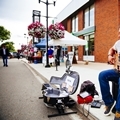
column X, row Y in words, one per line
column 86, row 72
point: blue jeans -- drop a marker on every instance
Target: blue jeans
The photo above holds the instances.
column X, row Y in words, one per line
column 5, row 60
column 104, row 78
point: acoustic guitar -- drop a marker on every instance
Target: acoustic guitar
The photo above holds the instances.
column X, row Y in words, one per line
column 117, row 62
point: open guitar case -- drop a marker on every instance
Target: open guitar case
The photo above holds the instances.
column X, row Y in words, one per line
column 58, row 97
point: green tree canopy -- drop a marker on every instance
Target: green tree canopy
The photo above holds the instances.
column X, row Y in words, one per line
column 10, row 46
column 4, row 34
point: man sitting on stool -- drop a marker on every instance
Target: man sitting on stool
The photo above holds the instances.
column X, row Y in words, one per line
column 111, row 75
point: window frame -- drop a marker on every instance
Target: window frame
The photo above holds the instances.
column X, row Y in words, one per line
column 75, row 24
column 89, row 16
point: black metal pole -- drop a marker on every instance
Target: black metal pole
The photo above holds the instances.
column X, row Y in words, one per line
column 47, row 59
column 39, row 17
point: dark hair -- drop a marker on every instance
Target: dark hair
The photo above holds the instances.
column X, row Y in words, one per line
column 3, row 45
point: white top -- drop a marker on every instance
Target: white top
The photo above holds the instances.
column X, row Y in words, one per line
column 55, row 52
column 116, row 46
column 4, row 52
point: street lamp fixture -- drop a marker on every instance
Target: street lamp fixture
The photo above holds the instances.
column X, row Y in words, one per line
column 54, row 2
column 47, row 3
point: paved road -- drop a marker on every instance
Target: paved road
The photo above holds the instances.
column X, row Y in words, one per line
column 19, row 92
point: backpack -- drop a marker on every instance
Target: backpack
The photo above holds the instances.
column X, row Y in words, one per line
column 89, row 87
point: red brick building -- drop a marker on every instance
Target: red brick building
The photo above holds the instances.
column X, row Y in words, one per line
column 96, row 21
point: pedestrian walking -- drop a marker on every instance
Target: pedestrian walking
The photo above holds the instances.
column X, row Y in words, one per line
column 4, row 52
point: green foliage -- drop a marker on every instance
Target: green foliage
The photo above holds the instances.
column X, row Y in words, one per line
column 10, row 46
column 4, row 34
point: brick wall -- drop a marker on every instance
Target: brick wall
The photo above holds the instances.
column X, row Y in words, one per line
column 106, row 21
column 80, row 27
column 69, row 28
column 119, row 13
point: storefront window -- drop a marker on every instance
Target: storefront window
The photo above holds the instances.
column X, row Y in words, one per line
column 90, row 39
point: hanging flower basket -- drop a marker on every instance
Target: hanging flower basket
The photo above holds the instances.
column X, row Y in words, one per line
column 31, row 28
column 36, row 30
column 56, row 31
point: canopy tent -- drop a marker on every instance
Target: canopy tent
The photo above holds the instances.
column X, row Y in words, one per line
column 68, row 40
column 42, row 43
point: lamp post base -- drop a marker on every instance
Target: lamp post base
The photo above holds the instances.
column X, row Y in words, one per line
column 47, row 66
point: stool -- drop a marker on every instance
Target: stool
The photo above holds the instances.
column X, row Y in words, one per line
column 115, row 87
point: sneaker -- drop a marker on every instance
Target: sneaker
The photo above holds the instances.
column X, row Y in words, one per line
column 117, row 116
column 109, row 109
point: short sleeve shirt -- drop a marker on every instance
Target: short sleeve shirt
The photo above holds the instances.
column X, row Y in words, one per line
column 116, row 46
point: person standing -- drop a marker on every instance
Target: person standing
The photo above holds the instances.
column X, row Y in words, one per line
column 111, row 75
column 55, row 51
column 4, row 52
column 18, row 55
column 29, row 56
column 50, row 52
column 58, row 54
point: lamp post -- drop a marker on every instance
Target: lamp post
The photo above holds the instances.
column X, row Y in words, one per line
column 47, row 3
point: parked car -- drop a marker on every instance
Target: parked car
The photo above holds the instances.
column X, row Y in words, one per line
column 15, row 54
column 10, row 55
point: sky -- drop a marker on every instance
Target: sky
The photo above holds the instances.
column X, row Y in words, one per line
column 16, row 15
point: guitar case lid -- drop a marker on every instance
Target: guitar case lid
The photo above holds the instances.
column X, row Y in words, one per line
column 68, row 85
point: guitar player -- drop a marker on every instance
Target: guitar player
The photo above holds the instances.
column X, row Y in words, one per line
column 111, row 75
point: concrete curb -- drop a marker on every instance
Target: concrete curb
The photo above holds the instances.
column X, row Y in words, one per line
column 77, row 106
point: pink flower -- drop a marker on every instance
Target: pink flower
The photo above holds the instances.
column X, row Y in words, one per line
column 56, row 31
column 37, row 30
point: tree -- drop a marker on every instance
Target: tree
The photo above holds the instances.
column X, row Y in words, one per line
column 4, row 34
column 10, row 46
